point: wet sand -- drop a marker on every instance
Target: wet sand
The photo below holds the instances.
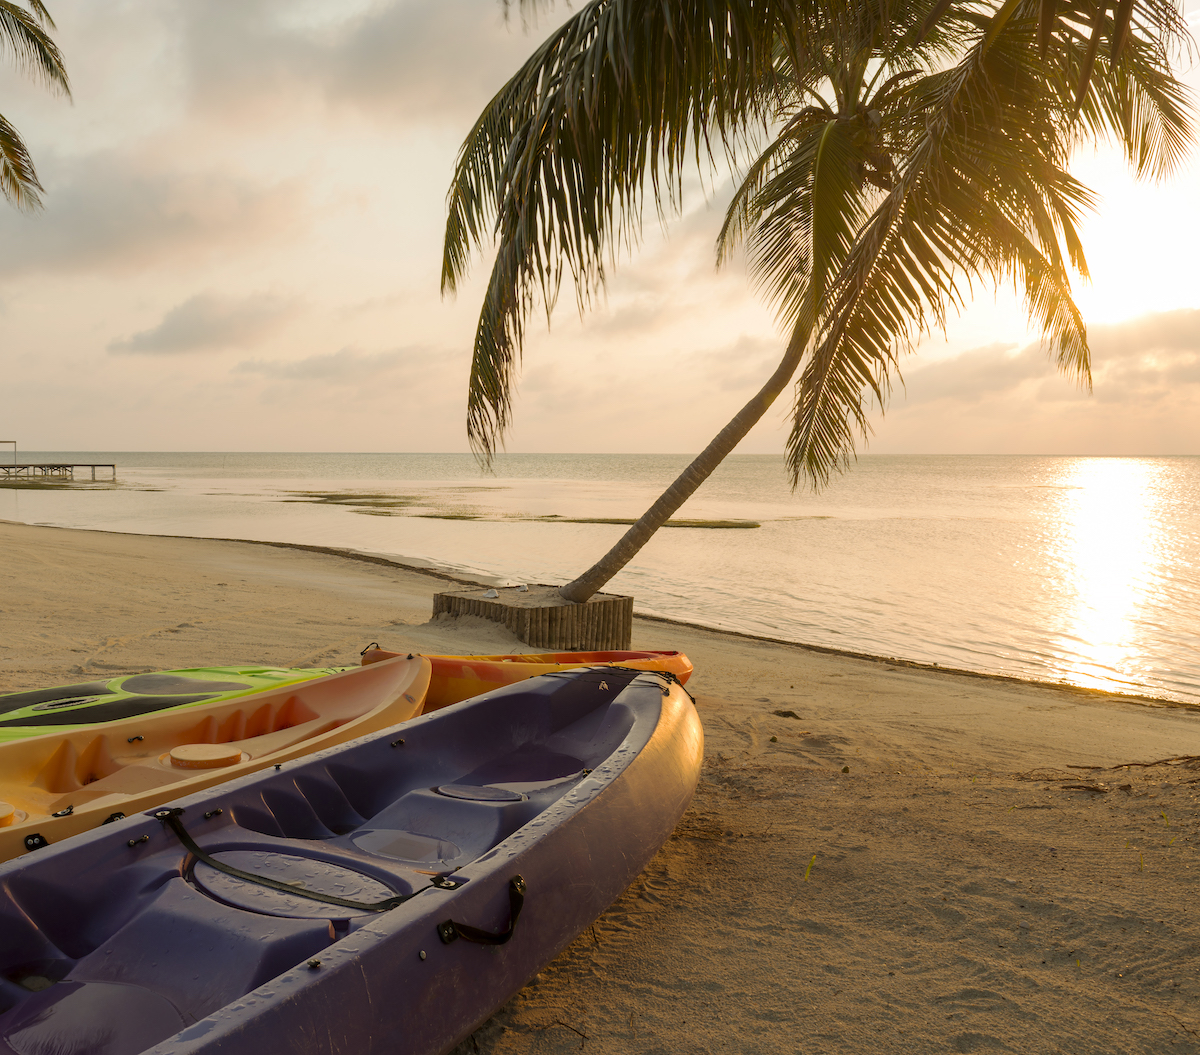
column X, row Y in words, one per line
column 879, row 856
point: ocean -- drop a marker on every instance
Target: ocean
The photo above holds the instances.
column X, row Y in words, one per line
column 1078, row 570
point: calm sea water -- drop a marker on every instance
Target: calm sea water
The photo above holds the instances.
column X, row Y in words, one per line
column 1083, row 570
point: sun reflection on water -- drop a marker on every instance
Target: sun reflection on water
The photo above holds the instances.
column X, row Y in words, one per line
column 1107, row 543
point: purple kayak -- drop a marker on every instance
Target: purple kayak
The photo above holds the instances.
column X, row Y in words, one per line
column 386, row 895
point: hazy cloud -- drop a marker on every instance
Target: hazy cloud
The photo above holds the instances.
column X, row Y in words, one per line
column 745, row 365
column 409, row 58
column 106, row 209
column 975, row 375
column 347, row 366
column 1167, row 332
column 420, row 59
column 1141, row 359
column 208, row 323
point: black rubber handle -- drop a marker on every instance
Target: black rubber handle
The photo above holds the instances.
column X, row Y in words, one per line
column 450, row 931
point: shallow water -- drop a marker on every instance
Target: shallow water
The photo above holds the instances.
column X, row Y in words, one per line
column 1075, row 569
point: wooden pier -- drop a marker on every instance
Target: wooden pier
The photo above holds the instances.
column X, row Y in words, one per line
column 56, row 470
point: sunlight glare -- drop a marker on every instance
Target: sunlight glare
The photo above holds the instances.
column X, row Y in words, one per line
column 1108, row 544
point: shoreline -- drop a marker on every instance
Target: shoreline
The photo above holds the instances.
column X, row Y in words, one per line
column 878, row 856
column 437, row 572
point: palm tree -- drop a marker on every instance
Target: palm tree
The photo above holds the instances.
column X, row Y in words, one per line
column 25, row 34
column 892, row 156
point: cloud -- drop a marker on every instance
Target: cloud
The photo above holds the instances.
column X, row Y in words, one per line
column 346, row 366
column 419, row 59
column 1139, row 360
column 408, row 59
column 1161, row 332
column 1145, row 399
column 1148, row 359
column 111, row 210
column 744, row 366
column 208, row 323
column 977, row 374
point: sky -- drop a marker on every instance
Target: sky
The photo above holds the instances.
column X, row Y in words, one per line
column 241, row 247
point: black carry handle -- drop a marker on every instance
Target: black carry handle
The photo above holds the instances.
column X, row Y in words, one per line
column 450, row 931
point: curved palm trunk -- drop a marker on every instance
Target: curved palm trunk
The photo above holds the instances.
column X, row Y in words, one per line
column 691, row 478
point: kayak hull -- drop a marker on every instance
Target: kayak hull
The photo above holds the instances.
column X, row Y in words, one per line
column 457, row 678
column 56, row 786
column 325, row 979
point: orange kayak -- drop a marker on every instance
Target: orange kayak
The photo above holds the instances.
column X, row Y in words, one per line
column 458, row 678
column 57, row 785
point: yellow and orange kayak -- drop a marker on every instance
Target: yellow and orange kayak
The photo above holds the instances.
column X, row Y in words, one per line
column 457, row 678
column 53, row 786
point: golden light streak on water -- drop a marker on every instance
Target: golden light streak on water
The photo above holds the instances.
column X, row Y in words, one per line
column 1108, row 545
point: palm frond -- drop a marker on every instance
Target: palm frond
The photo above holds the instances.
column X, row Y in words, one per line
column 805, row 216
column 38, row 10
column 1140, row 106
column 983, row 193
column 621, row 98
column 1122, row 17
column 746, row 206
column 934, row 17
column 18, row 178
column 1161, row 18
column 24, row 36
column 1089, row 57
column 1046, row 19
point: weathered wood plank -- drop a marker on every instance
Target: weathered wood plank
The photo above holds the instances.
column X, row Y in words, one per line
column 542, row 619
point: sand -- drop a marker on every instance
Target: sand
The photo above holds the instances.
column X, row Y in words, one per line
column 879, row 857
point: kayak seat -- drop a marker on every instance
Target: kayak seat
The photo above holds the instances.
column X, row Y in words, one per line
column 152, row 975
column 411, row 847
column 534, row 762
column 96, row 713
column 446, row 808
column 37, row 960
column 119, row 1020
column 595, row 736
column 474, row 812
column 328, row 801
column 307, row 808
column 472, row 826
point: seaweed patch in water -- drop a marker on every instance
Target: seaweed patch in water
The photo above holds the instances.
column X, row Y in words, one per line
column 670, row 523
column 358, row 502
column 40, row 483
column 382, row 505
column 553, row 519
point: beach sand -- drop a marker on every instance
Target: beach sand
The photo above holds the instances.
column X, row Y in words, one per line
column 879, row 857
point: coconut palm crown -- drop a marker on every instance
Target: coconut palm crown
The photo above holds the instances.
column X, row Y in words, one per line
column 24, row 34
column 892, row 156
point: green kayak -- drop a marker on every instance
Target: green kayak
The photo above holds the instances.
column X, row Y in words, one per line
column 63, row 707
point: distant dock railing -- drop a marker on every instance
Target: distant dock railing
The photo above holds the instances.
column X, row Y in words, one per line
column 58, row 470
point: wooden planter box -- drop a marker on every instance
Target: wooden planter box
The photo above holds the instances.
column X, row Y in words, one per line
column 541, row 618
